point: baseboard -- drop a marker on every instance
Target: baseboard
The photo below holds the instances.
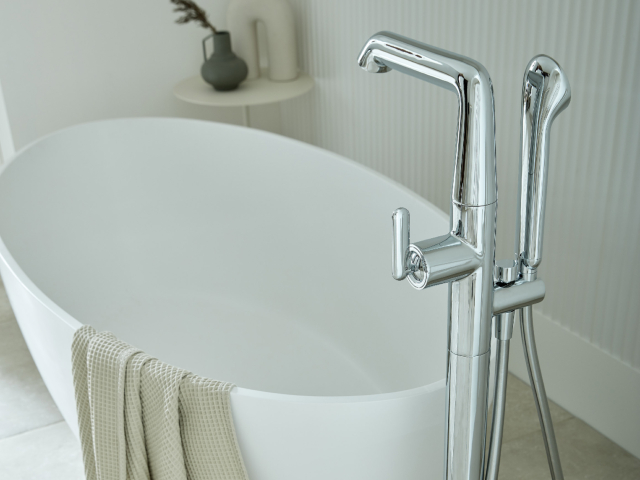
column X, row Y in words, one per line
column 586, row 381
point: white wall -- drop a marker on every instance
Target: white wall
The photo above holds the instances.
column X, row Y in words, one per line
column 405, row 129
column 66, row 62
column 71, row 61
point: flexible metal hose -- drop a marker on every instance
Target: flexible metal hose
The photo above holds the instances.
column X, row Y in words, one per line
column 539, row 393
column 503, row 333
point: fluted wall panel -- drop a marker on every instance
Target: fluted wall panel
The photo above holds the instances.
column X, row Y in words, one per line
column 405, row 129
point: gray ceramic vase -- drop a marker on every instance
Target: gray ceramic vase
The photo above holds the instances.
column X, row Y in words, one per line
column 223, row 69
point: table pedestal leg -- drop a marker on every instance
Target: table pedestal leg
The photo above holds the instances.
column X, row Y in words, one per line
column 245, row 116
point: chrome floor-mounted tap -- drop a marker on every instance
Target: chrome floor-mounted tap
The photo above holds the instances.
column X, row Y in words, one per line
column 479, row 289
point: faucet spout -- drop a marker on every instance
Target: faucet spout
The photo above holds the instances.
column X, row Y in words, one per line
column 474, row 177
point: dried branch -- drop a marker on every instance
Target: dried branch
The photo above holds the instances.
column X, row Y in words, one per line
column 192, row 13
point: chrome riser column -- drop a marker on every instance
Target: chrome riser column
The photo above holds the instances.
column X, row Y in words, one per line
column 469, row 343
column 466, row 415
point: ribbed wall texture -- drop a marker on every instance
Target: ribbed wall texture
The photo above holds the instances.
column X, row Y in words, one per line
column 405, row 129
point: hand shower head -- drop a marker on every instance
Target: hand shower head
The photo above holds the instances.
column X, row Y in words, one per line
column 545, row 93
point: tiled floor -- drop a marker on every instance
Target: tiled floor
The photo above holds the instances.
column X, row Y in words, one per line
column 35, row 444
column 585, row 454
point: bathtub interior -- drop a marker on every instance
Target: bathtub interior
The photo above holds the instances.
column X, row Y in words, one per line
column 236, row 254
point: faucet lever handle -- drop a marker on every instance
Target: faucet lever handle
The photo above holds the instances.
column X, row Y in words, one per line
column 400, row 243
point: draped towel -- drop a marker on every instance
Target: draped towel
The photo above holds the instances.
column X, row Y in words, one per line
column 142, row 419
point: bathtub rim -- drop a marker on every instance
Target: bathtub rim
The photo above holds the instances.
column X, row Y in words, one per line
column 13, row 266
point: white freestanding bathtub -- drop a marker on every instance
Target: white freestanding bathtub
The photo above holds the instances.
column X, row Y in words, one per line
column 242, row 256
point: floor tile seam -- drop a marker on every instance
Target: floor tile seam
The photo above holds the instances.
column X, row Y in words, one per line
column 2, row 439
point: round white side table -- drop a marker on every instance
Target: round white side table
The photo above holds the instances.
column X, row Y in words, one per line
column 251, row 92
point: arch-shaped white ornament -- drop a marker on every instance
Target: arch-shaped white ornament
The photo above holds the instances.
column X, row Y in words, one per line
column 277, row 17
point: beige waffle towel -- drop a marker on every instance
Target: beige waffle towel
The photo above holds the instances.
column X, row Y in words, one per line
column 141, row 419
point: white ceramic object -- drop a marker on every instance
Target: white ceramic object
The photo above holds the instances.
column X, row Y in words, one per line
column 242, row 256
column 277, row 17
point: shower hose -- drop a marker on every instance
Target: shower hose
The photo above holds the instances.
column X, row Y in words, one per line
column 504, row 328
